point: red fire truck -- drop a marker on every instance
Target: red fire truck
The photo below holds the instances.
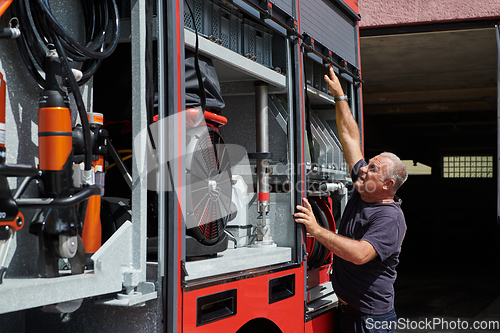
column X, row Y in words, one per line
column 195, row 127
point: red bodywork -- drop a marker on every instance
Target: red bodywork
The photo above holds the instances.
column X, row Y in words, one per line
column 252, row 302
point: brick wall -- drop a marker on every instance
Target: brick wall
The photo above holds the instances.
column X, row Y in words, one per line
column 381, row 13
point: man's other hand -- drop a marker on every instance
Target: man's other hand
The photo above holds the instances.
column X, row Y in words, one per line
column 306, row 216
column 333, row 83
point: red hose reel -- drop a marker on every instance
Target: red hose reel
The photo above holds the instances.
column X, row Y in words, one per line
column 318, row 255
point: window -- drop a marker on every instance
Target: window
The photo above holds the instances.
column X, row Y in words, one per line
column 468, row 166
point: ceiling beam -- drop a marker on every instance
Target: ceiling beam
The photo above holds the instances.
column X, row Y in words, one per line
column 383, row 109
column 449, row 95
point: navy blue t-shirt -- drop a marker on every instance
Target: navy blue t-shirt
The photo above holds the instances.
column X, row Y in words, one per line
column 369, row 287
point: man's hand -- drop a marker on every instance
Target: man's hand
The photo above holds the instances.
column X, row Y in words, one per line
column 355, row 251
column 347, row 127
column 333, row 83
column 306, row 217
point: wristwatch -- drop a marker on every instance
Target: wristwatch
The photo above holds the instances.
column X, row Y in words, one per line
column 341, row 98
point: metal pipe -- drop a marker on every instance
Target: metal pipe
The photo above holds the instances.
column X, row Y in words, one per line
column 331, row 187
column 22, row 187
column 18, row 170
column 59, row 202
column 262, row 130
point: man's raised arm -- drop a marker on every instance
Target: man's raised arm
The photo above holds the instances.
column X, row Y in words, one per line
column 347, row 126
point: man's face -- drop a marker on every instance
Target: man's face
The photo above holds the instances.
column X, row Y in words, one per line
column 371, row 178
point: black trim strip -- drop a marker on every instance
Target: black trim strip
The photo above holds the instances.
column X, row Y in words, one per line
column 260, row 156
column 215, row 280
column 321, row 311
column 432, row 27
column 55, row 134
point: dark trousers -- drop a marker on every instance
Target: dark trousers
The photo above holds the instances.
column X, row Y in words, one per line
column 349, row 320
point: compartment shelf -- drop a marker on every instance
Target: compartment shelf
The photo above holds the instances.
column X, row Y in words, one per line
column 232, row 66
column 240, row 259
column 317, row 97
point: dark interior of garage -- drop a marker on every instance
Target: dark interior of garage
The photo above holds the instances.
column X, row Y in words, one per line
column 430, row 96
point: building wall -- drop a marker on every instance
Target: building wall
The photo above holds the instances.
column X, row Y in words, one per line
column 381, row 13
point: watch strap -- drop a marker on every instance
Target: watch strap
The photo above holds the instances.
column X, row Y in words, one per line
column 341, row 98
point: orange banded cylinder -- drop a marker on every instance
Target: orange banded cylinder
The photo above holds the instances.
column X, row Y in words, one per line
column 92, row 232
column 92, row 229
column 55, row 141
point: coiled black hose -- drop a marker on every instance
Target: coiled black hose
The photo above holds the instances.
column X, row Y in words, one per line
column 203, row 97
column 39, row 28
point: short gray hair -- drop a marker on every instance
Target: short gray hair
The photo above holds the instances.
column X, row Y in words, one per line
column 397, row 171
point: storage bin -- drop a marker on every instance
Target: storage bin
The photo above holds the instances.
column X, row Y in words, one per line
column 213, row 21
column 257, row 43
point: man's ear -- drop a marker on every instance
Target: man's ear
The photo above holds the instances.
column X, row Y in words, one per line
column 388, row 184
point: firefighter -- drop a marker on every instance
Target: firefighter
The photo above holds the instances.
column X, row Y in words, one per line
column 367, row 246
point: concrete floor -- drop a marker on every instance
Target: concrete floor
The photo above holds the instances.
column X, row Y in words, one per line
column 448, row 299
